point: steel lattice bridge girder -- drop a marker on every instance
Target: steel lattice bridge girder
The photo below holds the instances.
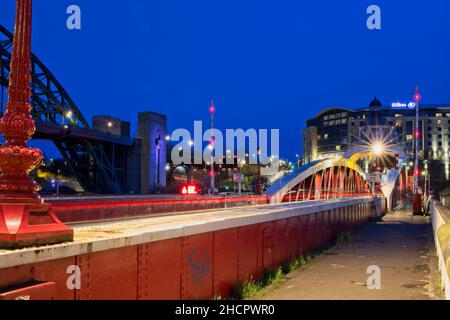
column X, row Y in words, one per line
column 92, row 155
column 49, row 99
column 355, row 177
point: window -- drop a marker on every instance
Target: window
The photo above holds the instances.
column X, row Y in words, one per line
column 325, row 136
column 398, row 115
column 439, row 121
column 438, row 115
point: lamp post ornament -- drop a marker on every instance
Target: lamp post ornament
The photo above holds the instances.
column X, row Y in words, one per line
column 24, row 218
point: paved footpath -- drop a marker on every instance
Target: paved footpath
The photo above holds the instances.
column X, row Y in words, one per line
column 401, row 245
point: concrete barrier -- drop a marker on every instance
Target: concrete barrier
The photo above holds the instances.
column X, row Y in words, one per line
column 90, row 209
column 441, row 228
column 195, row 256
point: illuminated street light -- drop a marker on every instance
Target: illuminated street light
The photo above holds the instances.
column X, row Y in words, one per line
column 69, row 114
column 378, row 149
column 212, row 111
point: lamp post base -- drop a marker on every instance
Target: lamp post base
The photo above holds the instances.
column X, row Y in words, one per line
column 30, row 223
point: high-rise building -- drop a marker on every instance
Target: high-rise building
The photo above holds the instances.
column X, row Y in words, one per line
column 333, row 130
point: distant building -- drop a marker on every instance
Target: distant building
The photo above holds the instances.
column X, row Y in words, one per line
column 111, row 125
column 333, row 130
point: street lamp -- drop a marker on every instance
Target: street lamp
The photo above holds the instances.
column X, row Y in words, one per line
column 259, row 190
column 378, row 149
column 212, row 111
column 69, row 114
column 417, row 199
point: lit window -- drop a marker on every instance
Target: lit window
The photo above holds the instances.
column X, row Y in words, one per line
column 409, row 137
column 438, row 115
column 398, row 115
column 338, row 148
column 325, row 136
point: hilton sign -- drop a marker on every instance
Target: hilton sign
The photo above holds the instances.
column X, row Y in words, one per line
column 401, row 105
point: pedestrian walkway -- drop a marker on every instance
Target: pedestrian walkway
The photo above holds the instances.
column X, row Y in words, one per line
column 401, row 245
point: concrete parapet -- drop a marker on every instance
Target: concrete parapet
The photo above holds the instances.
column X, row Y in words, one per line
column 195, row 256
column 90, row 209
column 441, row 227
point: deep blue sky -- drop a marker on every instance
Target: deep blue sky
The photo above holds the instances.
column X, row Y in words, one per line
column 268, row 64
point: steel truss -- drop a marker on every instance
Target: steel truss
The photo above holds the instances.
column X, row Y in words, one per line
column 329, row 183
column 98, row 161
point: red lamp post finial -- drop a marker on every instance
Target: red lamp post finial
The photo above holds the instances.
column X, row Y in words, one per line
column 24, row 219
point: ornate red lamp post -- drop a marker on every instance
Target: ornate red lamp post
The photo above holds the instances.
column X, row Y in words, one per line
column 24, row 218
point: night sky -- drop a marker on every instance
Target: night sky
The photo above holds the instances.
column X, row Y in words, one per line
column 268, row 64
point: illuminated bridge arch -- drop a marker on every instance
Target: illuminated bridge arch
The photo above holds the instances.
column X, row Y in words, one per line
column 100, row 159
column 323, row 179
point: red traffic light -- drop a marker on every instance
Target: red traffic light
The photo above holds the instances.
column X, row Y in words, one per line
column 417, row 133
column 417, row 97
